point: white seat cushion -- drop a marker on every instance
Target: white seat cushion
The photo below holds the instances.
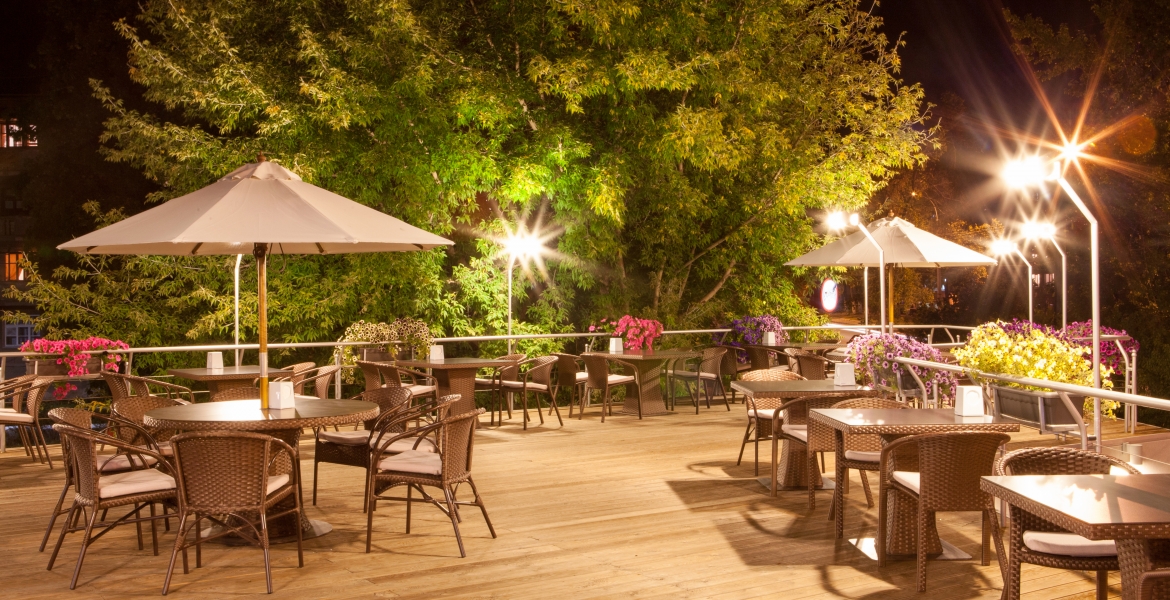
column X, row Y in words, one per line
column 421, row 390
column 620, row 379
column 15, row 417
column 275, row 482
column 763, row 413
column 413, row 461
column 107, row 463
column 799, row 432
column 426, row 445
column 909, row 479
column 862, row 455
column 515, row 385
column 346, row 438
column 1067, row 544
column 581, row 376
column 691, row 374
column 7, row 410
column 134, row 482
column 482, row 381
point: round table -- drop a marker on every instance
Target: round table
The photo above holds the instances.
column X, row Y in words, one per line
column 285, row 424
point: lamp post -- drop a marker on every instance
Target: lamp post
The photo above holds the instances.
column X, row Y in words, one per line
column 1047, row 231
column 1031, row 171
column 518, row 245
column 1004, row 248
column 837, row 221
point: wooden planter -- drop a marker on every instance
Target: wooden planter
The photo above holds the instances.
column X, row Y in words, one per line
column 1026, row 405
column 49, row 366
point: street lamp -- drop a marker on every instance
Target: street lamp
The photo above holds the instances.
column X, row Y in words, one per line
column 519, row 245
column 1031, row 172
column 1004, row 248
column 1047, row 231
column 837, row 221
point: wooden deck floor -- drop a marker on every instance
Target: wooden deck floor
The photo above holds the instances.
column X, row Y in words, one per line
column 628, row 508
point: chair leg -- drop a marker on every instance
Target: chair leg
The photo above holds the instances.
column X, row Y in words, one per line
column 180, row 537
column 524, row 402
column 84, row 546
column 454, row 522
column 56, row 511
column 812, row 481
column 481, row 505
column 264, row 547
column 757, row 448
column 70, row 523
column 747, row 434
column 865, row 486
column 40, row 436
column 409, row 489
column 557, row 410
column 372, row 505
column 315, row 464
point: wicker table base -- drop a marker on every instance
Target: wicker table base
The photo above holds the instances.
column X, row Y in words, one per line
column 791, row 471
column 650, row 394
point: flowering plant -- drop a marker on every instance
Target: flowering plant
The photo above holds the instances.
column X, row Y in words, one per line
column 73, row 354
column 638, row 332
column 1030, row 351
column 874, row 354
column 1081, row 332
column 750, row 330
column 605, row 325
column 413, row 332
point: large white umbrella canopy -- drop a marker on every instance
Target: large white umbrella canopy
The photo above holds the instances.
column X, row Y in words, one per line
column 904, row 245
column 262, row 208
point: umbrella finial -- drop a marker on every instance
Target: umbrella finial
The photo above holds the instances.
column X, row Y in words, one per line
column 260, row 157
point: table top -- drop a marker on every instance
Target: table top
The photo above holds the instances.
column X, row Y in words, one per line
column 893, row 421
column 636, row 356
column 241, row 372
column 1098, row 507
column 246, row 415
column 799, row 387
column 456, row 363
column 810, row 346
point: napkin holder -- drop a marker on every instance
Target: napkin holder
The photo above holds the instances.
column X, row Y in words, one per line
column 615, row 345
column 215, row 360
column 969, row 401
column 844, row 374
column 437, row 352
column 281, row 395
column 770, row 339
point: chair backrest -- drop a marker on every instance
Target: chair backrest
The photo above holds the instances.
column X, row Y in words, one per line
column 729, row 364
column 760, row 358
column 810, row 365
column 34, row 395
column 774, row 374
column 597, row 368
column 540, row 370
column 134, row 408
column 457, row 435
column 1058, row 461
column 511, row 373
column 371, row 374
column 867, row 442
column 951, row 465
column 237, row 393
column 388, row 399
column 712, row 359
column 566, row 368
column 225, row 471
column 77, row 417
column 321, row 381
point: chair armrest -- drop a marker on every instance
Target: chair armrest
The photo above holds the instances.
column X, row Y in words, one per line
column 415, row 374
column 888, row 450
column 1148, row 583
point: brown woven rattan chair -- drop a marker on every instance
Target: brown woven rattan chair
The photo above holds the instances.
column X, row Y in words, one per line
column 1037, row 541
column 134, row 408
column 371, row 374
column 416, row 470
column 233, row 474
column 299, row 370
column 237, row 393
column 352, row 448
column 761, row 410
column 943, row 475
column 810, row 365
column 122, row 386
column 393, row 376
column 569, row 376
column 706, row 376
column 96, row 492
column 537, row 379
column 791, row 424
column 320, row 379
column 730, row 366
column 599, row 378
column 25, row 400
column 493, row 381
column 862, row 451
column 761, row 358
column 1154, row 585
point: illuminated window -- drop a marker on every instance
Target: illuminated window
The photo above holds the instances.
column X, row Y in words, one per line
column 13, row 135
column 16, row 334
column 12, row 269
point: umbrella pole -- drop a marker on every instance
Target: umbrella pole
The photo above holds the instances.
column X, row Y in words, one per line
column 260, row 251
column 866, row 269
column 239, row 258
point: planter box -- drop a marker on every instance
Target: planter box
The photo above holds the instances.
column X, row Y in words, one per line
column 376, row 355
column 49, row 366
column 1046, row 411
column 901, row 382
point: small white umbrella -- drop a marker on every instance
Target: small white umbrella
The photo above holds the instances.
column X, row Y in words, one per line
column 263, row 207
column 903, row 244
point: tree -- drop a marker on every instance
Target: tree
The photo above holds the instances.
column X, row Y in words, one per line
column 677, row 145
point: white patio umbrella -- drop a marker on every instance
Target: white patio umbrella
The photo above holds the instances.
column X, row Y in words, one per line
column 904, row 245
column 263, row 207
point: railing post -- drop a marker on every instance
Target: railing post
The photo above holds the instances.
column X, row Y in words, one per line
column 337, row 381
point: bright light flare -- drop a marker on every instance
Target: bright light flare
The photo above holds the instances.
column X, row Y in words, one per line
column 1002, row 247
column 1072, row 151
column 523, row 245
column 1034, row 230
column 1025, row 172
column 836, row 221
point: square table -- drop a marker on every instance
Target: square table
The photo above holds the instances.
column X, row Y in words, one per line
column 1134, row 510
column 790, row 470
column 457, row 376
column 226, row 378
column 892, row 423
column 646, row 399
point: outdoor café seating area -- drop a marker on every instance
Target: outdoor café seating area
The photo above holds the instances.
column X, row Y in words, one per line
column 668, row 473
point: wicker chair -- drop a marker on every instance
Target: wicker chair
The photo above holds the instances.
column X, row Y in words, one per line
column 537, row 379
column 352, row 448
column 238, row 393
column 760, row 411
column 231, row 473
column 299, row 371
column 415, row 469
column 862, row 451
column 706, row 376
column 122, row 386
column 943, row 475
column 320, row 380
column 791, row 425
column 730, row 366
column 1154, row 585
column 134, row 408
column 810, row 365
column 760, row 357
column 1037, row 541
column 25, row 399
column 493, row 383
column 371, row 374
column 96, row 492
column 599, row 378
column 569, row 376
